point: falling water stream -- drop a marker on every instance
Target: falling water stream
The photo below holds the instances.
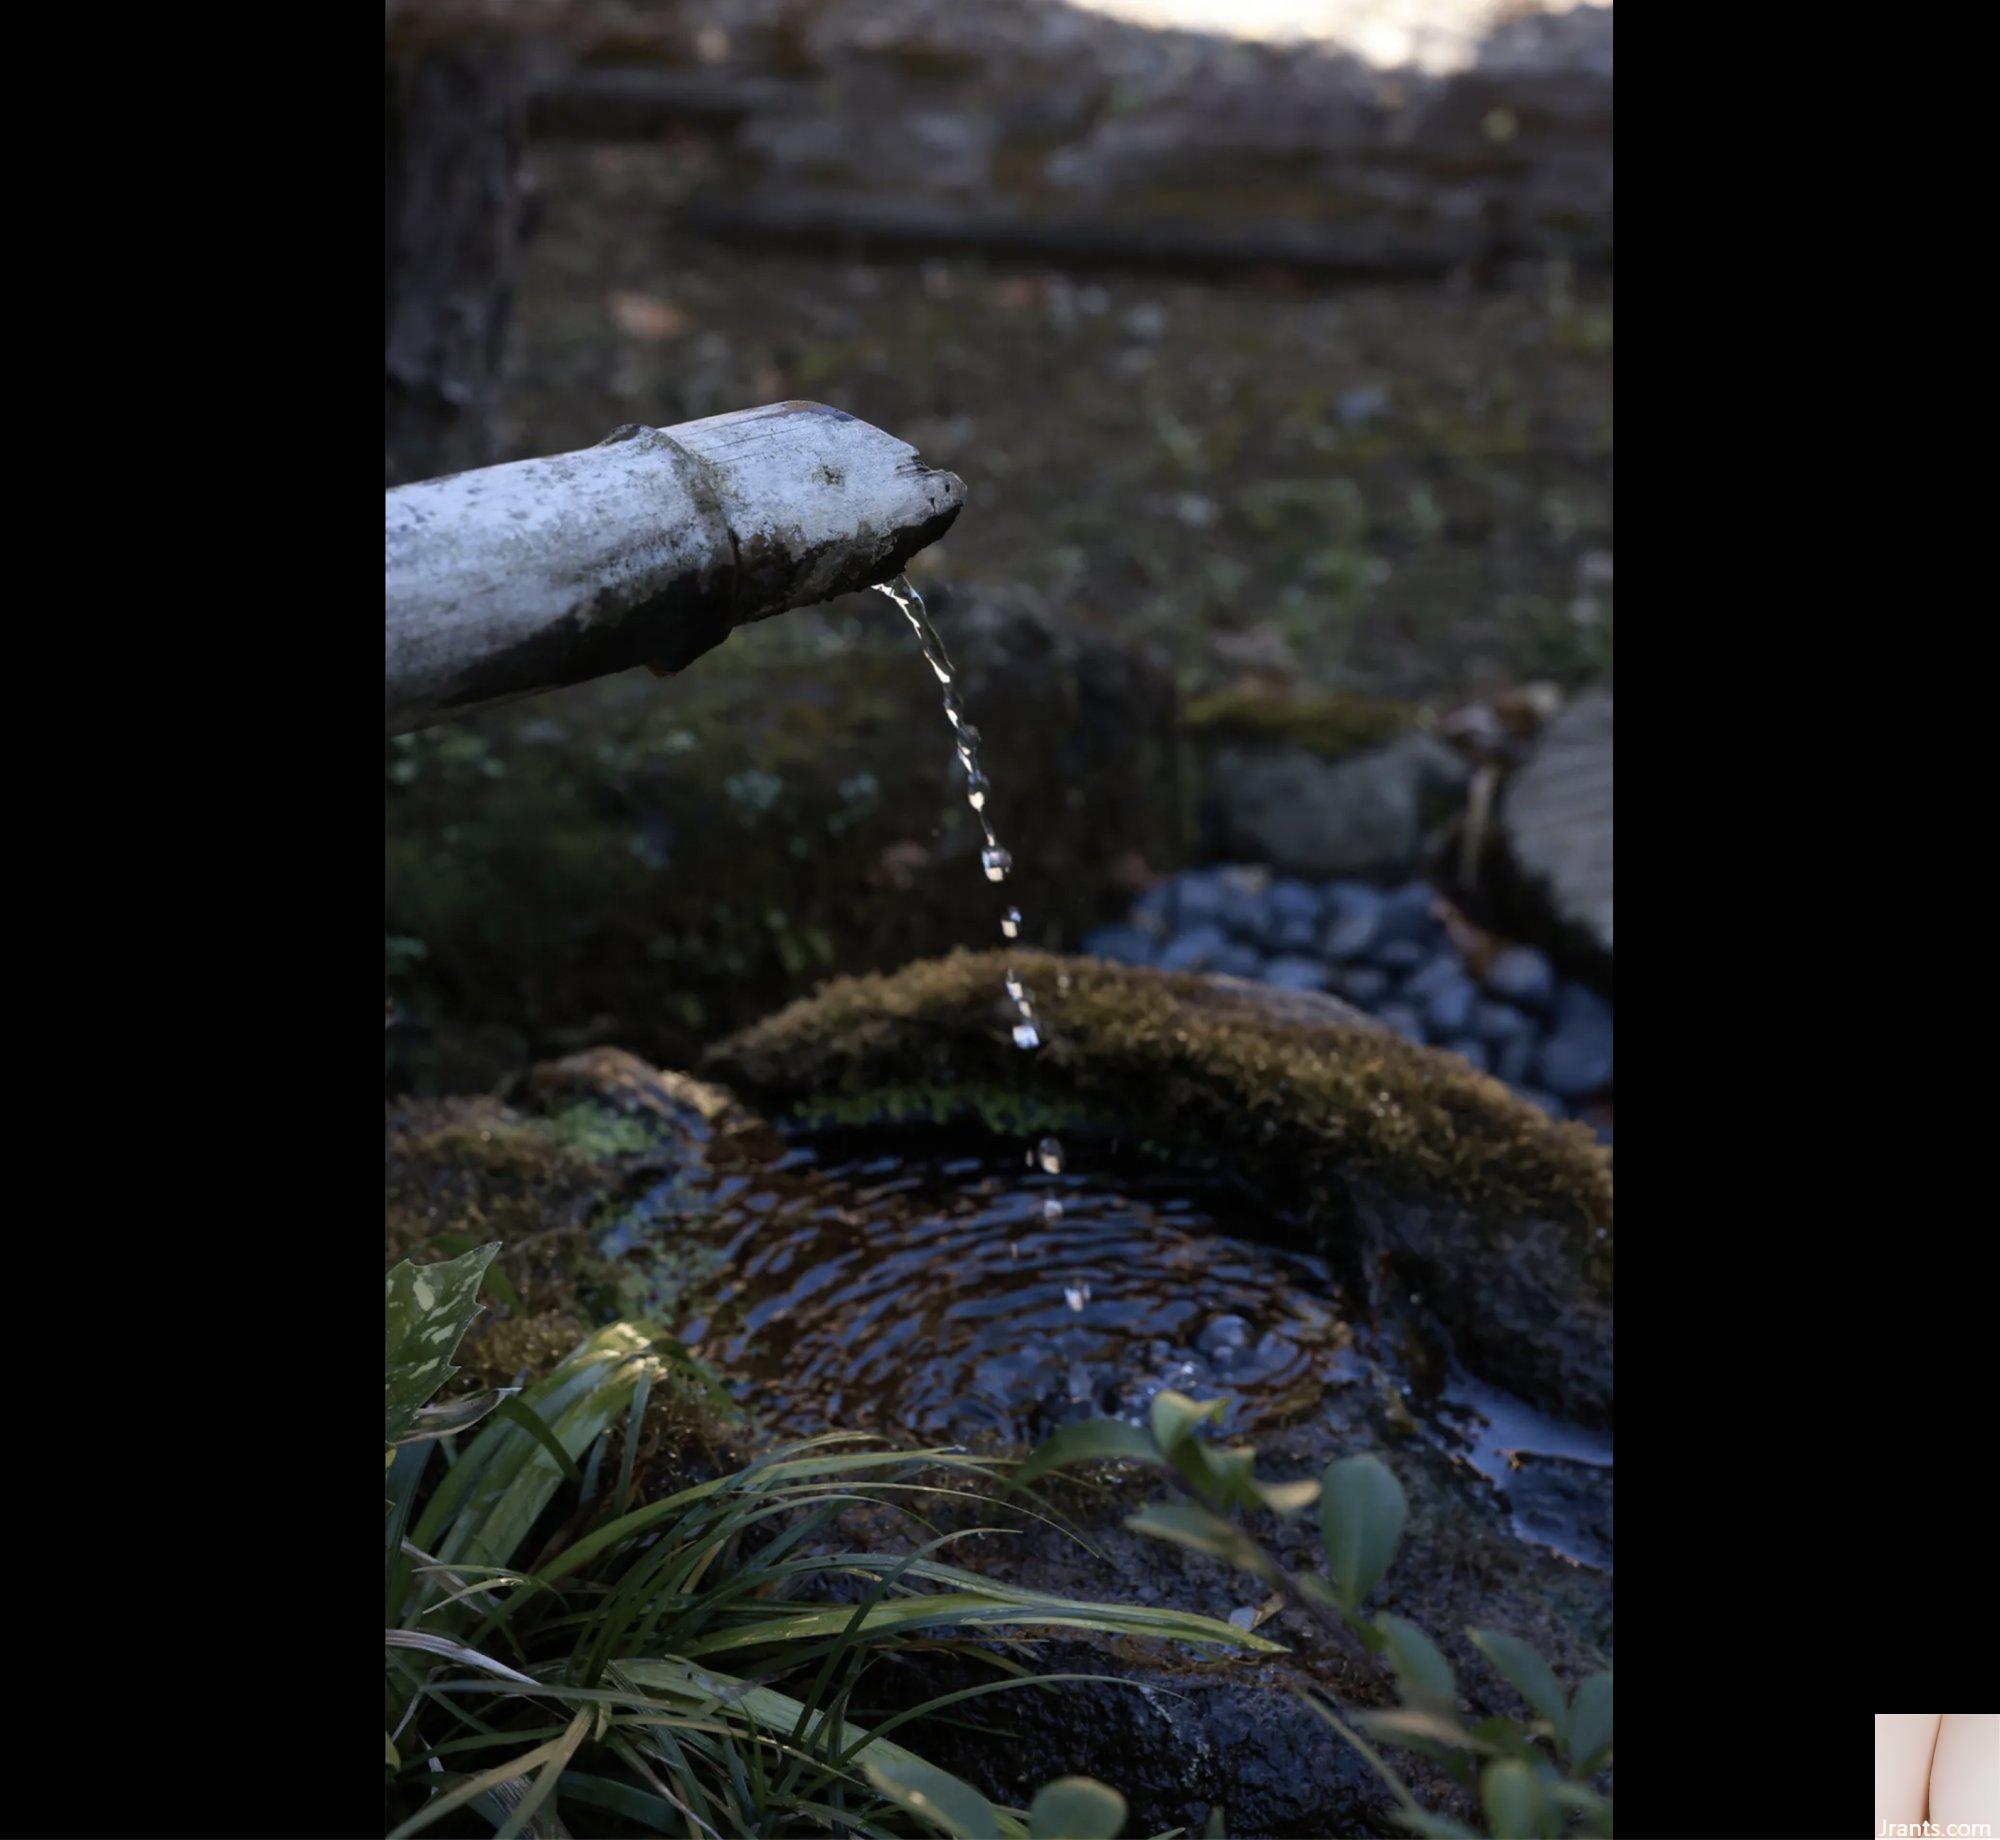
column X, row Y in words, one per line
column 1047, row 1154
column 910, row 1279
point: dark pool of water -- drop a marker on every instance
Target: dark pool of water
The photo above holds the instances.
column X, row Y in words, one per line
column 935, row 1295
column 880, row 1281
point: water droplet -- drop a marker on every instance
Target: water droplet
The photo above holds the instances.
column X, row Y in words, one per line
column 1049, row 1156
column 1026, row 1035
column 1052, row 1210
column 1010, row 923
column 977, row 786
column 1076, row 1295
column 996, row 862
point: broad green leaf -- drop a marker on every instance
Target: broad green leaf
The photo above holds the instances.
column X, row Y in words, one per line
column 1587, row 1731
column 510, row 1474
column 940, row 1801
column 1361, row 1513
column 1287, row 1497
column 1175, row 1417
column 1527, row 1672
column 446, row 1649
column 1508, row 1737
column 695, row 1690
column 1185, row 1523
column 1090, row 1440
column 977, row 1610
column 530, row 1421
column 522, row 1819
column 1076, row 1808
column 1221, row 1473
column 1512, row 1798
column 389, row 1743
column 454, row 1416
column 1433, row 1733
column 1436, row 1826
column 497, row 1284
column 426, row 1310
column 1423, row 1673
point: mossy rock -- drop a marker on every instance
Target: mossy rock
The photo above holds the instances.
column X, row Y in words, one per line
column 1406, row 1162
column 658, row 864
column 538, row 1176
column 1333, row 725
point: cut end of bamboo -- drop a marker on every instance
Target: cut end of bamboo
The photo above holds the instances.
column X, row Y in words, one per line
column 649, row 548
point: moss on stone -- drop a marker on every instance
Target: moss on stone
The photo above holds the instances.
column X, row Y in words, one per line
column 465, row 1171
column 1333, row 725
column 1296, row 1092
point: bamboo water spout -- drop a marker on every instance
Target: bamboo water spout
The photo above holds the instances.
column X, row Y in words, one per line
column 648, row 548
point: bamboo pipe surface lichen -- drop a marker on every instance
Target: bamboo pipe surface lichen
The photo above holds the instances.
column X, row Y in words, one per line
column 649, row 548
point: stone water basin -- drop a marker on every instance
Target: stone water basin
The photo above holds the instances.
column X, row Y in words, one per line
column 914, row 1281
column 1364, row 1245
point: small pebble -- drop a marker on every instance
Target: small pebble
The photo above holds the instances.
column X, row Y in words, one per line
column 1403, row 1019
column 1576, row 1059
column 1366, row 985
column 1296, row 973
column 1513, row 1060
column 1399, row 954
column 1499, row 1022
column 1354, row 915
column 1238, row 961
column 1524, row 976
column 1193, row 950
column 1406, row 914
column 1468, row 1047
column 1125, row 945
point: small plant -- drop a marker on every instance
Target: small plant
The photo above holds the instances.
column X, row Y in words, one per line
column 1533, row 1777
column 693, row 1665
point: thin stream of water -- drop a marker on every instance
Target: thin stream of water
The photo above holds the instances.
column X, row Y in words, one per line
column 1047, row 1155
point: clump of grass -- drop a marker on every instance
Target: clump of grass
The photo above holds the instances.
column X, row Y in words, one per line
column 562, row 1651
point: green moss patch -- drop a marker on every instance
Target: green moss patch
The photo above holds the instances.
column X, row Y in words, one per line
column 1297, row 1093
column 1333, row 725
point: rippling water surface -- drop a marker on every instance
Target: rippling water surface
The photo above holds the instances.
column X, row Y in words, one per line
column 942, row 1297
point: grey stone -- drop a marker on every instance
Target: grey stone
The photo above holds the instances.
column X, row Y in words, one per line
column 1448, row 1004
column 1399, row 954
column 1524, row 976
column 1223, row 1339
column 1245, row 905
column 1470, row 1048
column 1408, row 913
column 1576, row 1058
column 1367, row 985
column 1198, row 897
column 1555, row 821
column 1514, row 1059
column 1354, row 913
column 1500, row 1022
column 1296, row 973
column 1365, row 814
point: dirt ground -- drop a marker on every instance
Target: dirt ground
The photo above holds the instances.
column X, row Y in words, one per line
column 1397, row 489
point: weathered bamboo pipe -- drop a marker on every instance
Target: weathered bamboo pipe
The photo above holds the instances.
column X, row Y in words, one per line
column 646, row 549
